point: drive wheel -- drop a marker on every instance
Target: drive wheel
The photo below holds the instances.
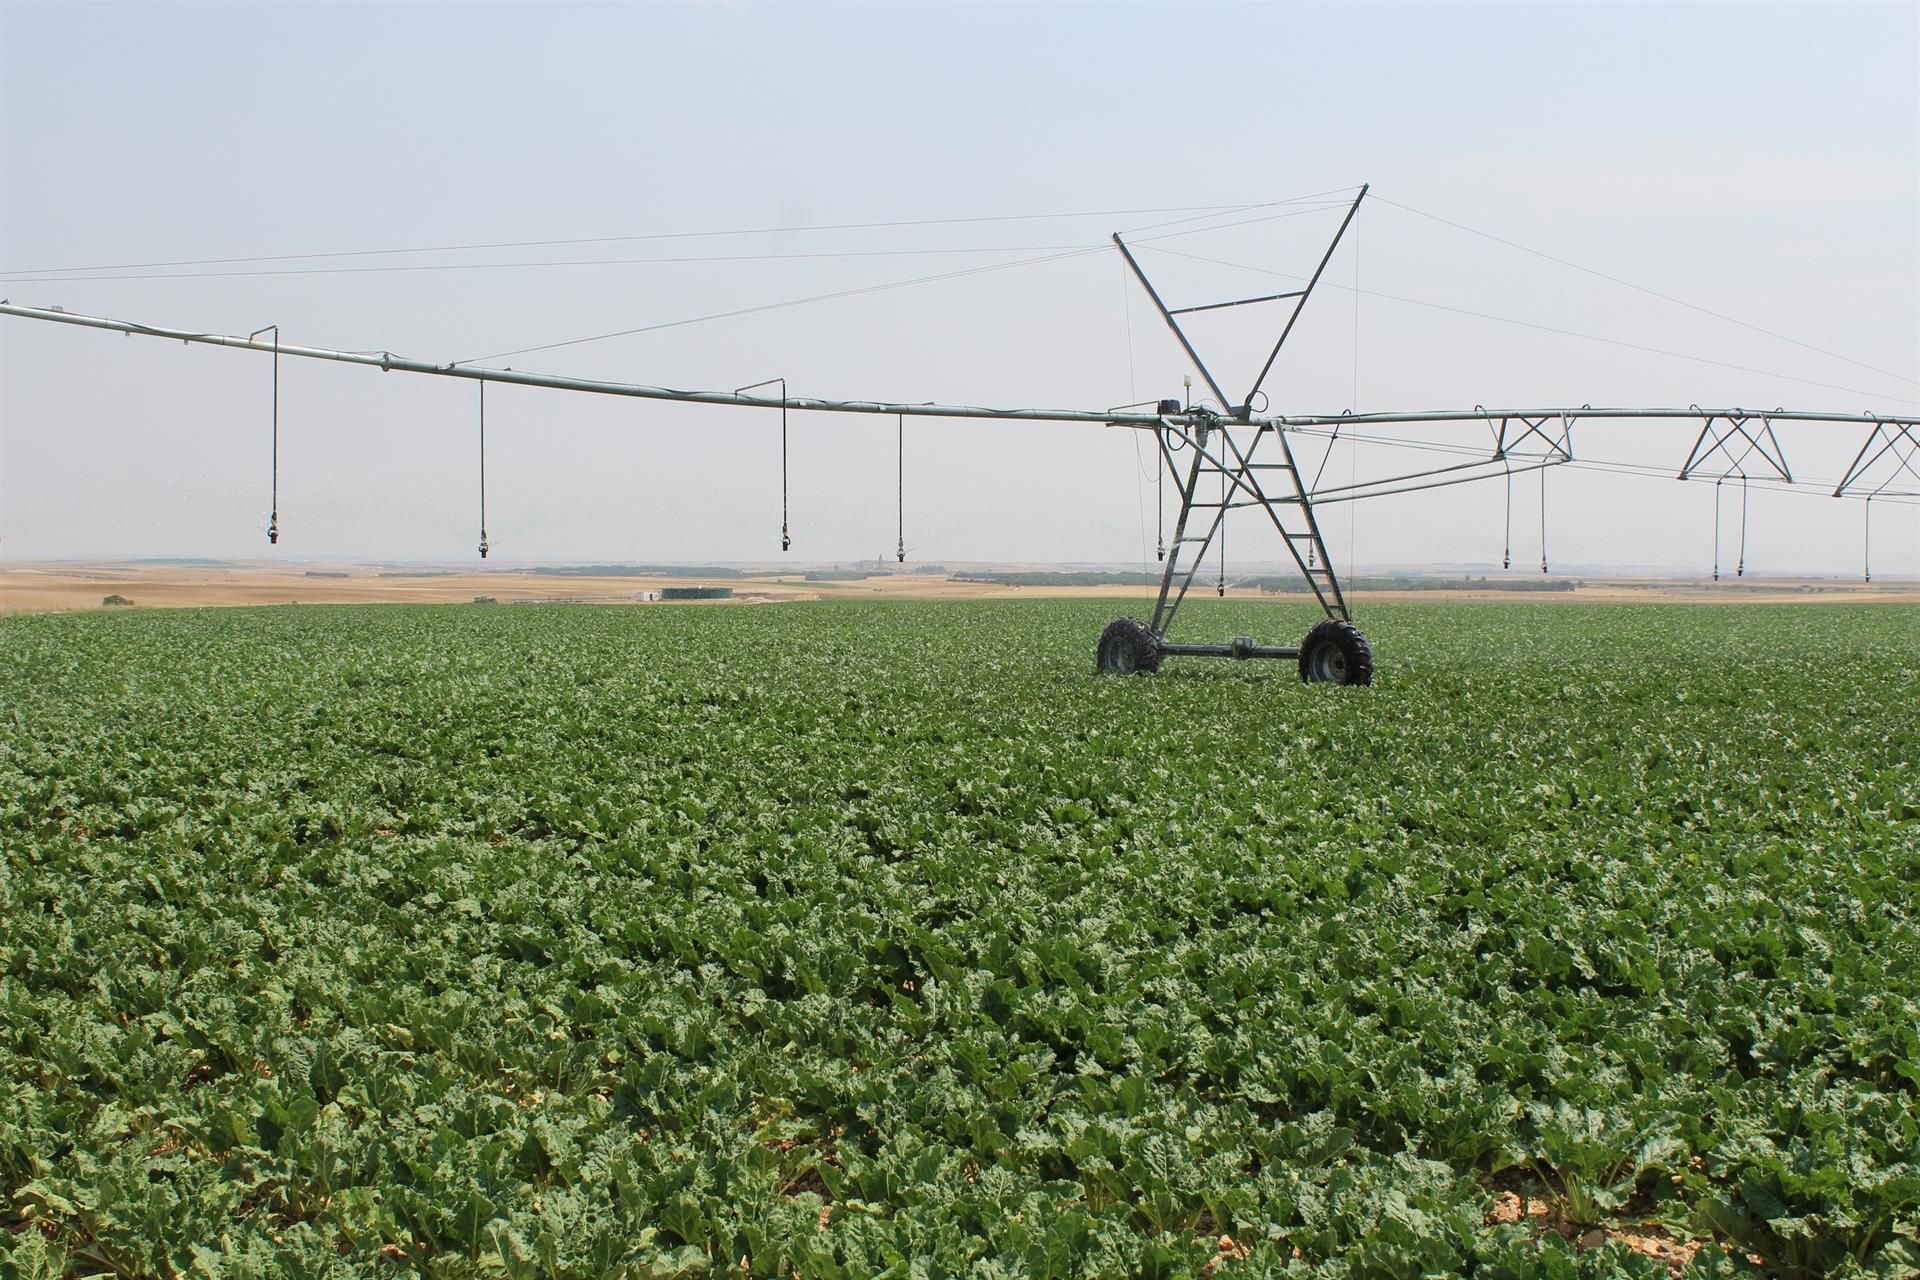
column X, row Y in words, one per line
column 1128, row 646
column 1335, row 652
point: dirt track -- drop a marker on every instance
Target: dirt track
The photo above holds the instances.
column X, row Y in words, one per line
column 53, row 587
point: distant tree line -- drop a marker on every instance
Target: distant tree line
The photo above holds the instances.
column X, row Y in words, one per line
column 1414, row 582
column 633, row 571
column 1050, row 578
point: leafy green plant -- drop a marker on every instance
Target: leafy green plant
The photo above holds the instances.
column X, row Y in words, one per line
column 850, row 938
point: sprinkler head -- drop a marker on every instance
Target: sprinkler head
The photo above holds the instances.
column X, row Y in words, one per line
column 273, row 531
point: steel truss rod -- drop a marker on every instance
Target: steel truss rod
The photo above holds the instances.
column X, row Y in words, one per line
column 1896, row 440
column 1238, row 470
column 1332, row 599
column 1536, row 428
column 1556, row 450
column 386, row 361
column 1728, row 440
column 1220, row 397
column 1484, row 470
column 1725, row 439
column 1902, row 497
column 1238, row 302
column 1306, row 293
column 1579, row 414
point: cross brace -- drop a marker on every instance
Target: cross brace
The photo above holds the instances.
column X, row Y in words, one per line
column 1733, row 440
column 1897, row 441
column 1215, row 452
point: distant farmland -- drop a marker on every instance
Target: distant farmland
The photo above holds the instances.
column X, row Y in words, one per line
column 885, row 938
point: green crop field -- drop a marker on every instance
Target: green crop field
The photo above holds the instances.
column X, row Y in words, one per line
column 860, row 940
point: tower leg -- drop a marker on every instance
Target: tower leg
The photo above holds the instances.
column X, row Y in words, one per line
column 1339, row 653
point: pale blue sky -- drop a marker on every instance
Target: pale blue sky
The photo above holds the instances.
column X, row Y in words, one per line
column 1763, row 161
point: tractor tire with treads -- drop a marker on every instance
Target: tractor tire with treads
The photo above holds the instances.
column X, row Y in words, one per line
column 1335, row 652
column 1128, row 646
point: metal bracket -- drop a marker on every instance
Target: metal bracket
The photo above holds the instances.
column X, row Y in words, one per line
column 1895, row 440
column 1507, row 442
column 1734, row 442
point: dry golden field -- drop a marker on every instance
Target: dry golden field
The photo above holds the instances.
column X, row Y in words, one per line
column 47, row 586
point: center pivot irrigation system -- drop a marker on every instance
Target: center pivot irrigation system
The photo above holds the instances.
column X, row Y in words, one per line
column 1214, row 448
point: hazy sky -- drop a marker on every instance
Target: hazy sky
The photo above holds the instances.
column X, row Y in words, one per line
column 1759, row 161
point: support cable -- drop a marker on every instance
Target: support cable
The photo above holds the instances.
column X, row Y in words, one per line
column 1353, row 405
column 1651, row 293
column 1353, row 450
column 1543, row 328
column 1354, row 402
column 692, row 235
column 1353, row 517
column 1159, row 454
column 1313, row 554
column 483, row 468
column 536, row 264
column 882, row 287
column 1325, row 457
